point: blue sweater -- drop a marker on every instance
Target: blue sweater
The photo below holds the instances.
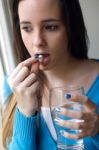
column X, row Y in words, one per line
column 32, row 133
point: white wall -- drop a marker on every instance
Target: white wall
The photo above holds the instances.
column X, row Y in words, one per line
column 90, row 10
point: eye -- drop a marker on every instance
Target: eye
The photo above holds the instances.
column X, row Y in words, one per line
column 27, row 29
column 51, row 27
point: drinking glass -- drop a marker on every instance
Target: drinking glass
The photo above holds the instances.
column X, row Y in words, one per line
column 60, row 97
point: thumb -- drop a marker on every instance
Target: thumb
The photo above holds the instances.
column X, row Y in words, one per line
column 35, row 68
column 90, row 106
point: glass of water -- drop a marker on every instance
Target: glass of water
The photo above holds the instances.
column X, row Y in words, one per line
column 60, row 97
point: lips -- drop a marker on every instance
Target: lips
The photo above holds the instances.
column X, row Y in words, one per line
column 45, row 55
column 45, row 58
column 42, row 56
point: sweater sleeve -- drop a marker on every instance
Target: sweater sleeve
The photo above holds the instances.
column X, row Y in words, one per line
column 24, row 132
column 95, row 140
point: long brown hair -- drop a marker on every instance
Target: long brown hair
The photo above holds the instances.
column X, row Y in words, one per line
column 77, row 37
column 8, row 116
column 21, row 54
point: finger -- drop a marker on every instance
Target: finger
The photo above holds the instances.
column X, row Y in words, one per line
column 90, row 117
column 35, row 68
column 27, row 63
column 89, row 105
column 32, row 64
column 21, row 76
column 70, row 113
column 70, row 124
column 15, row 71
column 70, row 136
column 85, row 134
column 91, row 129
column 88, row 126
column 29, row 80
column 34, row 86
column 79, row 98
column 13, row 82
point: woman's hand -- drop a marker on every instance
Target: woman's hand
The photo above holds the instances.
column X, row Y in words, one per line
column 23, row 82
column 89, row 124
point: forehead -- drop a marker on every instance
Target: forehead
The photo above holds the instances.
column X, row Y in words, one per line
column 38, row 8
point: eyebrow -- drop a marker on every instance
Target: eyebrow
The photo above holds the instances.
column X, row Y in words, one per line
column 51, row 20
column 24, row 22
column 44, row 21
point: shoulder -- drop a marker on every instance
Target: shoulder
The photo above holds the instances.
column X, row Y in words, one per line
column 90, row 66
column 94, row 65
column 90, row 72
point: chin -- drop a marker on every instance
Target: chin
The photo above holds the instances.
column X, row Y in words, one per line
column 45, row 68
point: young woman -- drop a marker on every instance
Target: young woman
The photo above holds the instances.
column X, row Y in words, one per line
column 55, row 30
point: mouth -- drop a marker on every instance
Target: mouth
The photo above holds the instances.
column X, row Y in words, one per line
column 38, row 57
column 42, row 57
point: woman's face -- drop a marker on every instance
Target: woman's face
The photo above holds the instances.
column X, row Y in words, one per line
column 43, row 31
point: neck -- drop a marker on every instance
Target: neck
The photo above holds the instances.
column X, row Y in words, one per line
column 62, row 73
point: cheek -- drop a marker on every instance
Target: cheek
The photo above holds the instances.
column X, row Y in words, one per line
column 59, row 41
column 59, row 47
column 63, row 40
column 27, row 42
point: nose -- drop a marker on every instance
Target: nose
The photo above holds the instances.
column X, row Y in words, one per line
column 38, row 38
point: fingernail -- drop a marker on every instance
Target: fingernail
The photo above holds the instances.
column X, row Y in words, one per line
column 67, row 96
column 58, row 109
column 61, row 132
column 57, row 120
column 36, row 56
